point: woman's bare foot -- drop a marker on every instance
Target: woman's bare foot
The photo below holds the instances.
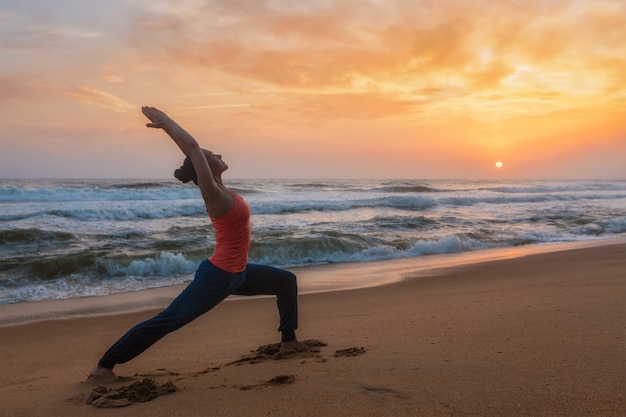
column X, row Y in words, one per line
column 293, row 346
column 101, row 372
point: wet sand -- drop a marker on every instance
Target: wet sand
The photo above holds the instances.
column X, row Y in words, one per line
column 538, row 335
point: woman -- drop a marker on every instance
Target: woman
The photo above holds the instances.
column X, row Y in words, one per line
column 226, row 272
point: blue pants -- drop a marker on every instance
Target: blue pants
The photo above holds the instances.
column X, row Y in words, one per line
column 210, row 286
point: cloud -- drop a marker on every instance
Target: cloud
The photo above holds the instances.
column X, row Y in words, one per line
column 101, row 99
column 24, row 89
column 13, row 88
column 321, row 46
column 219, row 106
column 352, row 68
column 21, row 32
column 351, row 107
column 30, row 38
column 112, row 78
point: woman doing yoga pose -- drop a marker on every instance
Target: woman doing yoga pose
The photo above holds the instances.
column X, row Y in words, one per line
column 226, row 272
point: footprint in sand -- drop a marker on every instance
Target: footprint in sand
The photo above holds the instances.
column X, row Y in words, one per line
column 141, row 391
column 353, row 351
column 147, row 389
column 276, row 381
column 162, row 372
column 273, row 352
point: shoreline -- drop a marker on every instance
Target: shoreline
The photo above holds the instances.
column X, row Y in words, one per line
column 344, row 277
column 537, row 335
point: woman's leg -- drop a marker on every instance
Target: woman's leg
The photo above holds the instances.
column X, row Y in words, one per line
column 267, row 280
column 210, row 286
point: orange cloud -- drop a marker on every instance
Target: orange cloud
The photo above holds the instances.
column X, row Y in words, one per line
column 525, row 52
column 101, row 99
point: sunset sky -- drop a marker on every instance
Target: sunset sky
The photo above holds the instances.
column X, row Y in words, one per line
column 316, row 89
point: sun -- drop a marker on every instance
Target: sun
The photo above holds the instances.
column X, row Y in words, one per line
column 499, row 164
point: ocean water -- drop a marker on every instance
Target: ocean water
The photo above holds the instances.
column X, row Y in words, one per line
column 63, row 239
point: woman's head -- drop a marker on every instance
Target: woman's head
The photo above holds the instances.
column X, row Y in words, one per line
column 217, row 165
column 187, row 172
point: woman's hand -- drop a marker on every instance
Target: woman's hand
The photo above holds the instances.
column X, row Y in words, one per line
column 156, row 116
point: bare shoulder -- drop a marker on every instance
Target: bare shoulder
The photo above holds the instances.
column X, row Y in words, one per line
column 219, row 202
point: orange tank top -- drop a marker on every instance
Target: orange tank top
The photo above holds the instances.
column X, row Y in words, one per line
column 232, row 237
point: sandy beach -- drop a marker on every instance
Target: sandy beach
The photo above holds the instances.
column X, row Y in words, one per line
column 537, row 335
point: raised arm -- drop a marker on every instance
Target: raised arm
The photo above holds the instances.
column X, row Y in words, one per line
column 217, row 199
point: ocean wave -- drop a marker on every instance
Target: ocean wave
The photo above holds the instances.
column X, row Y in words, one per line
column 99, row 265
column 602, row 227
column 521, row 199
column 20, row 216
column 399, row 202
column 407, row 189
column 356, row 187
column 166, row 264
column 399, row 223
column 89, row 273
column 567, row 187
column 114, row 211
column 312, row 184
column 138, row 185
column 96, row 193
column 132, row 213
column 415, row 202
column 615, row 225
column 315, row 250
column 403, row 196
column 52, row 266
column 81, row 286
column 33, row 235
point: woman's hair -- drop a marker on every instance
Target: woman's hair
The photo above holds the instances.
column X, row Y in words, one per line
column 186, row 172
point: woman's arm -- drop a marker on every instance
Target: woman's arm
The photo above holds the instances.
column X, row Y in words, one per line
column 217, row 200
